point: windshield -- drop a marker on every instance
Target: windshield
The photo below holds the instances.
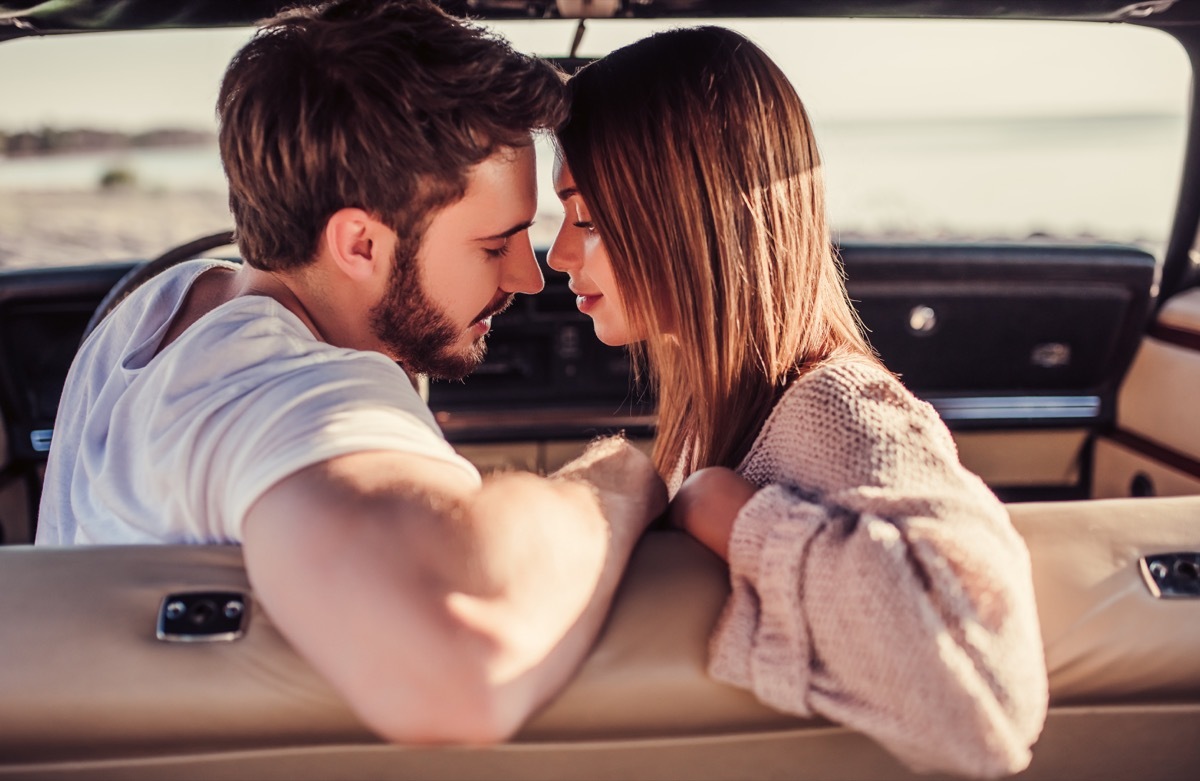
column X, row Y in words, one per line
column 929, row 130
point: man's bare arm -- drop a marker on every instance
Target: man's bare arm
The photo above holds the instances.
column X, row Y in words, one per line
column 441, row 611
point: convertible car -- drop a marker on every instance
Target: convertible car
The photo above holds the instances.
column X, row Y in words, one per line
column 1027, row 261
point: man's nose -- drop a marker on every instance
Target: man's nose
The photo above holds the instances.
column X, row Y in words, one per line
column 520, row 271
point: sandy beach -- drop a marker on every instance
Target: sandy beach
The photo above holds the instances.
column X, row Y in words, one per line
column 64, row 228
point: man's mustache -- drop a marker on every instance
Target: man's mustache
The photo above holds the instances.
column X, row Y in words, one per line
column 496, row 306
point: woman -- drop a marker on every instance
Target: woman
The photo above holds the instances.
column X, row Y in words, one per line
column 874, row 580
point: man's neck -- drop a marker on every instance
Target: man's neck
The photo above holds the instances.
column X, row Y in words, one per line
column 250, row 281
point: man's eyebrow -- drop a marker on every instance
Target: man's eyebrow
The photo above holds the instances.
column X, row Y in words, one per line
column 567, row 192
column 514, row 230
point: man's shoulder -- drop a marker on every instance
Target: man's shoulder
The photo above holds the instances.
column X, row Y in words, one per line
column 256, row 345
column 162, row 293
column 130, row 331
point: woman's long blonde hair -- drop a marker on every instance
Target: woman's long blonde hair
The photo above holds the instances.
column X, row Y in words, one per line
column 698, row 164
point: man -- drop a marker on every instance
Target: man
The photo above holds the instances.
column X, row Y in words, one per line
column 382, row 181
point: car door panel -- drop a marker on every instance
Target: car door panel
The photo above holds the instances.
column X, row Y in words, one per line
column 1003, row 336
column 1026, row 460
column 1154, row 448
column 89, row 692
column 1020, row 348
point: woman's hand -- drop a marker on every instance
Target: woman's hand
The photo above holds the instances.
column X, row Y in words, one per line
column 707, row 504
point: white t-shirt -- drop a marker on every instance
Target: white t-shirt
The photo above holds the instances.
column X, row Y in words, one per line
column 176, row 447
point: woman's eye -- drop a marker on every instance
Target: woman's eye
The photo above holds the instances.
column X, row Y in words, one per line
column 590, row 227
column 497, row 252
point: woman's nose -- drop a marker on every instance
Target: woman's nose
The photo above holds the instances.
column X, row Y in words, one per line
column 564, row 252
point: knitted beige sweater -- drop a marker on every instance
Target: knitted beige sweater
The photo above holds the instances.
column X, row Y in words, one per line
column 878, row 583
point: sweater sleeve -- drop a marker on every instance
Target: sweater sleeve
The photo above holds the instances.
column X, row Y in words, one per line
column 879, row 584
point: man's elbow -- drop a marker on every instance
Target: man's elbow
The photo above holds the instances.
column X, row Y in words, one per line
column 474, row 715
column 456, row 698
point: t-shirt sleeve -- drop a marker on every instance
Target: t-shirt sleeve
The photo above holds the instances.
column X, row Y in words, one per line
column 881, row 585
column 312, row 416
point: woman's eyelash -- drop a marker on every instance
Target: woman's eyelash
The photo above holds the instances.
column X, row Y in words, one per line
column 500, row 252
column 587, row 226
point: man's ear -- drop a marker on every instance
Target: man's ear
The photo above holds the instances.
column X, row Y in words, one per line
column 358, row 244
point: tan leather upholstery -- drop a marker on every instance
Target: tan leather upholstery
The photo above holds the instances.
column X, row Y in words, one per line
column 1107, row 639
column 84, row 674
column 1182, row 311
column 510, row 456
column 1158, row 398
column 542, row 457
column 1156, row 409
column 1115, row 468
column 1023, row 457
column 87, row 691
column 1002, row 458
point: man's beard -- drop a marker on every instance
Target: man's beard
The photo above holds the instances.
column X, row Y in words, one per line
column 418, row 333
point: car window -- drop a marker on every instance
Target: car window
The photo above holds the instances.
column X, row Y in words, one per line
column 110, row 144
column 978, row 130
column 929, row 130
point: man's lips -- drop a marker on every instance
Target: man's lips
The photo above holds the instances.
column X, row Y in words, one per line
column 483, row 322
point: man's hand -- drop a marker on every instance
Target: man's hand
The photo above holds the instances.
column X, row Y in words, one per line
column 630, row 492
column 707, row 504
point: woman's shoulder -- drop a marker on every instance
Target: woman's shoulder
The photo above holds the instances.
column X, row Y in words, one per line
column 849, row 422
column 850, row 404
column 852, row 384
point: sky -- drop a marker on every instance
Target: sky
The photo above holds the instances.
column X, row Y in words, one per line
column 844, row 70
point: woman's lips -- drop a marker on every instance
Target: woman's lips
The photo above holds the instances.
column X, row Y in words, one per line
column 587, row 302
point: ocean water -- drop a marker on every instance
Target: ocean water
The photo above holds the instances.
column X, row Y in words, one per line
column 1110, row 179
column 165, row 168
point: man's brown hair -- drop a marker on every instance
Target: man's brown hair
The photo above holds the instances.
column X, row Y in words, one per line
column 382, row 106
